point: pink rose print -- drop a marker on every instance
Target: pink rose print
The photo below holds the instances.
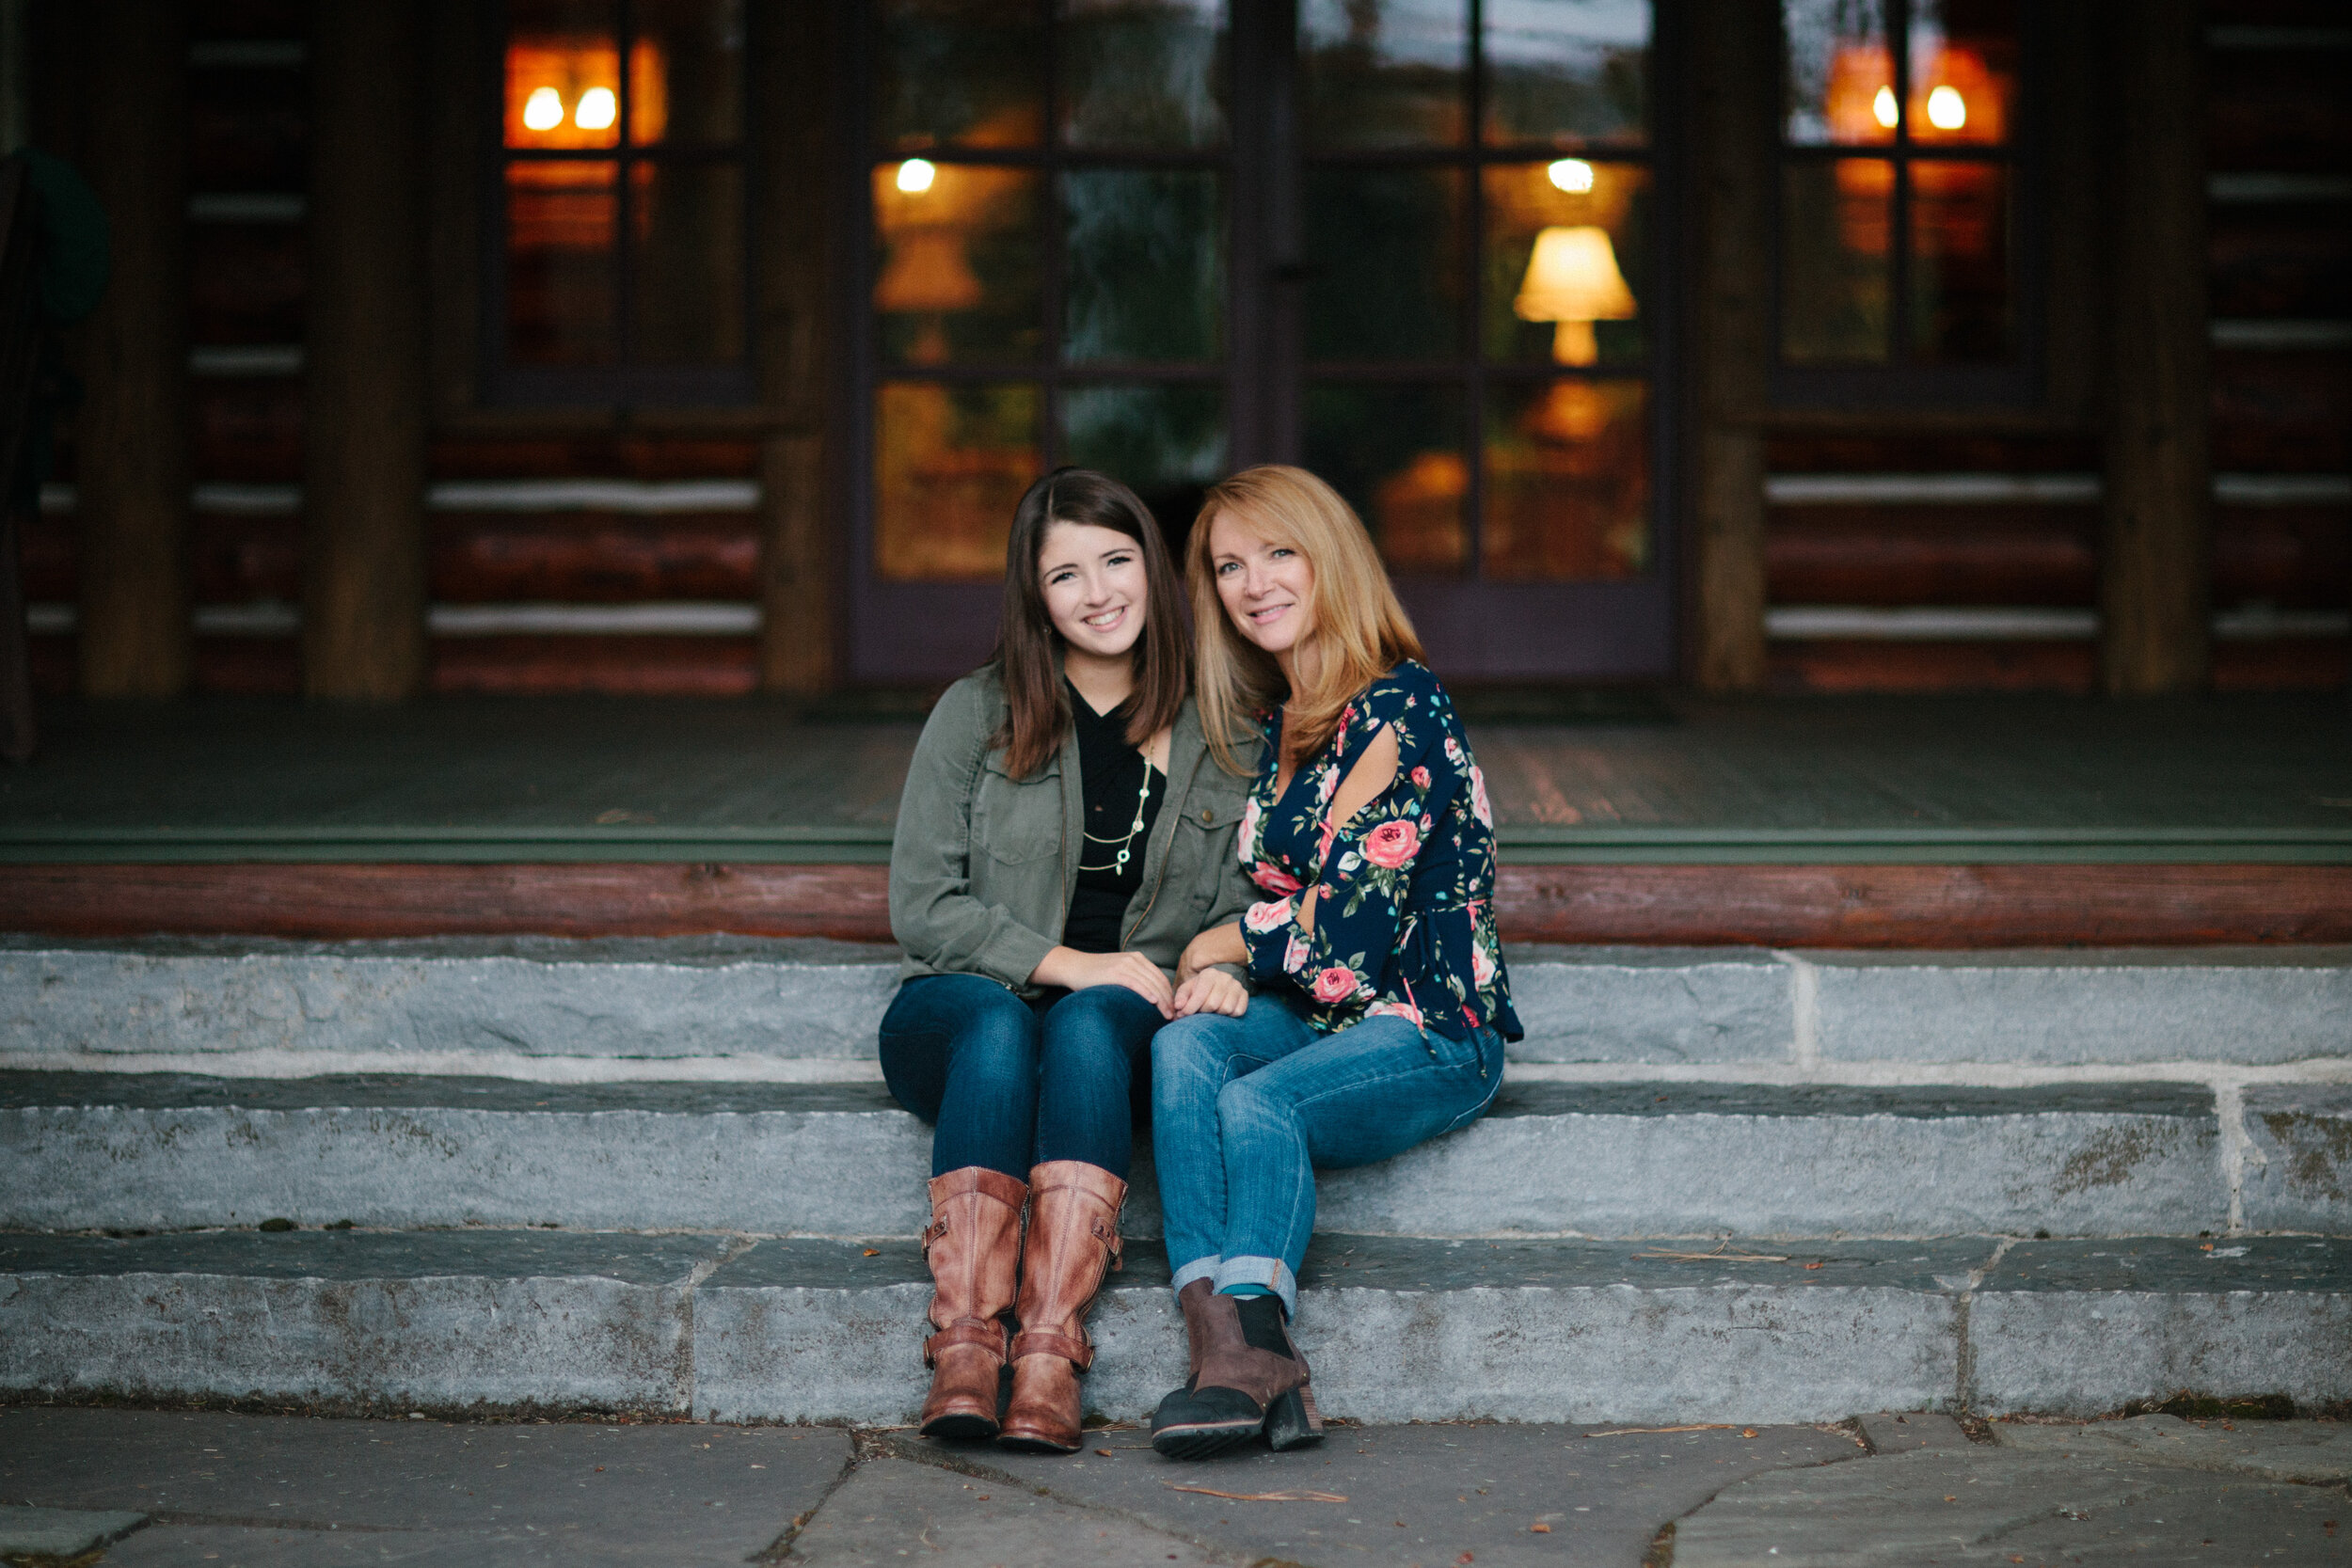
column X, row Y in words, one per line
column 1404, row 1011
column 1272, row 877
column 1482, row 965
column 1454, row 751
column 1392, row 844
column 1419, row 777
column 1249, row 814
column 1262, row 918
column 1295, row 956
column 1322, row 844
column 1334, row 983
column 1480, row 805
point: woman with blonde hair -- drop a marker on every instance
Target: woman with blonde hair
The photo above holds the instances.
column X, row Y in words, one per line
column 1063, row 833
column 1381, row 1005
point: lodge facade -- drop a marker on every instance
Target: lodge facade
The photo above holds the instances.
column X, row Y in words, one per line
column 701, row 347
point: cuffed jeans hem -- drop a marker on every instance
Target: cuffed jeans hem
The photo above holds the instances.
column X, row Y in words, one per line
column 1272, row 1273
column 1200, row 1268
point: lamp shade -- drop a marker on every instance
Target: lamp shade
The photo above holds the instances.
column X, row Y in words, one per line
column 1573, row 279
column 926, row 272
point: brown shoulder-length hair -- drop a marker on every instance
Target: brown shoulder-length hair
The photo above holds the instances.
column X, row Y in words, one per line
column 1358, row 630
column 1038, row 714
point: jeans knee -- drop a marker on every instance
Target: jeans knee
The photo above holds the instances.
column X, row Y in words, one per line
column 999, row 1041
column 1187, row 1049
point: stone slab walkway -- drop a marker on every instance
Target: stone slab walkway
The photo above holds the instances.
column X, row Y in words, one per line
column 1884, row 1491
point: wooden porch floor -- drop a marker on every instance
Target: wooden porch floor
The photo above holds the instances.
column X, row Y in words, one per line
column 1836, row 780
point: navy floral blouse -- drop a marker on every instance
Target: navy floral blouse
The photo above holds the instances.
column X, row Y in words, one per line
column 1405, row 923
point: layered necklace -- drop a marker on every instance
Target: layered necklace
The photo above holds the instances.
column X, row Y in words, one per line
column 1127, row 842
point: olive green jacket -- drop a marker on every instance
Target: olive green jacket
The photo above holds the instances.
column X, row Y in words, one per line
column 983, row 865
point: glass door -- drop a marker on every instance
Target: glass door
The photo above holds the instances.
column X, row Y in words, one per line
column 1410, row 243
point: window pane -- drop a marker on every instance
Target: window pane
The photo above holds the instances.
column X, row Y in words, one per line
column 1385, row 253
column 1165, row 443
column 1963, row 69
column 1385, row 73
column 1144, row 268
column 1834, row 275
column 1395, row 452
column 1840, row 86
column 686, row 223
column 562, row 75
column 685, row 72
column 1143, row 73
column 561, row 292
column 950, row 464
column 1568, row 71
column 1960, row 295
column 1567, row 482
column 957, row 265
column 1567, row 262
column 967, row 71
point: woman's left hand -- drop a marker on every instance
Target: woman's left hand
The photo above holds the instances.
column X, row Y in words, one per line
column 1219, row 945
column 1211, row 990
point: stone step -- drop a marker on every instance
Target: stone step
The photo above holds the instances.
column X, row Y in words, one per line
column 151, row 1151
column 726, row 1328
column 729, row 1007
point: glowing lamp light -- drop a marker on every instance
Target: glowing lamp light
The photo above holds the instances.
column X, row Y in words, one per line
column 1883, row 107
column 1572, row 175
column 1572, row 279
column 596, row 110
column 1947, row 109
column 915, row 176
column 544, row 109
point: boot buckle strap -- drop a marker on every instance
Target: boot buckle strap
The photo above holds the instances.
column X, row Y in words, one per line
column 987, row 1334
column 1106, row 1232
column 1077, row 1351
column 933, row 1231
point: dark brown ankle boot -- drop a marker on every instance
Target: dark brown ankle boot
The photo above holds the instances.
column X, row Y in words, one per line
column 972, row 1245
column 1251, row 1379
column 1073, row 1239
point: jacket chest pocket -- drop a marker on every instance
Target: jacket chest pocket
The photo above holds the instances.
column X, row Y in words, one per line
column 1017, row 822
column 1204, row 851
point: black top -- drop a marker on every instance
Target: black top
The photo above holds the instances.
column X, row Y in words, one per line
column 1114, row 776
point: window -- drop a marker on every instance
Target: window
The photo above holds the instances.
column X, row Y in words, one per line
column 1409, row 244
column 1049, row 195
column 618, row 267
column 1902, row 188
column 1478, row 206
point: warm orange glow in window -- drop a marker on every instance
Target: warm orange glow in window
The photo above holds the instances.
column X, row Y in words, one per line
column 1958, row 99
column 563, row 92
column 1860, row 103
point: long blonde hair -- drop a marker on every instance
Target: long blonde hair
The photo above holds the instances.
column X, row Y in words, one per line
column 1356, row 627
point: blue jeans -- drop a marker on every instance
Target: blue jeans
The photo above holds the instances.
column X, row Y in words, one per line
column 1008, row 1084
column 1243, row 1109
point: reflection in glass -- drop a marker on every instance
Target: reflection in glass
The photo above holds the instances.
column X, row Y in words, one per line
column 1395, row 452
column 1604, row 273
column 1167, row 443
column 686, row 223
column 1142, row 72
column 959, row 263
column 562, row 75
column 1567, row 482
column 1568, row 71
column 561, row 285
column 1835, row 274
column 1840, row 86
column 970, row 72
column 950, row 464
column 1144, row 265
column 1387, row 278
column 1963, row 69
column 1385, row 73
column 1960, row 295
column 685, row 72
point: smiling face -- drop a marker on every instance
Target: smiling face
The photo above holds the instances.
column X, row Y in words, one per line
column 1094, row 587
column 1268, row 589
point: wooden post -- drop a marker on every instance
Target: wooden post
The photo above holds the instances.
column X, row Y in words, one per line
column 799, row 635
column 1735, row 57
column 363, row 631
column 131, row 437
column 2154, row 633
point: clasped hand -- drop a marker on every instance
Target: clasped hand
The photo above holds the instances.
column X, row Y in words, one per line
column 1208, row 990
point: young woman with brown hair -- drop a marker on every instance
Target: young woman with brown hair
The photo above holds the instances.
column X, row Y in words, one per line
column 1064, row 831
column 1383, row 1006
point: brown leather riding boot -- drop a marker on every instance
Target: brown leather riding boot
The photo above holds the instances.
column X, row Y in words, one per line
column 972, row 1245
column 1073, row 1239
